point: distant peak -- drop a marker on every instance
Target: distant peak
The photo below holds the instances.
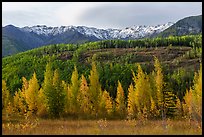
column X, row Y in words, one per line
column 10, row 25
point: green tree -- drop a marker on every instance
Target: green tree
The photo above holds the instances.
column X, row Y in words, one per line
column 48, row 88
column 58, row 96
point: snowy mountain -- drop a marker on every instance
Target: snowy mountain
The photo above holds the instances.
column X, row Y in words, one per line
column 133, row 32
column 15, row 39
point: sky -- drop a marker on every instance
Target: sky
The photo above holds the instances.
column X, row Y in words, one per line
column 102, row 15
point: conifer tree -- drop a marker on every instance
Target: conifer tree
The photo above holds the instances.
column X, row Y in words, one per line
column 169, row 103
column 120, row 100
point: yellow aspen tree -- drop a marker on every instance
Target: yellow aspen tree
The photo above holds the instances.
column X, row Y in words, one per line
column 7, row 100
column 142, row 91
column 153, row 109
column 68, row 97
column 25, row 84
column 65, row 90
column 5, row 95
column 16, row 102
column 187, row 106
column 48, row 88
column 193, row 98
column 138, row 80
column 197, row 94
column 147, row 93
column 31, row 95
column 106, row 104
column 41, row 104
column 74, row 88
column 131, row 101
column 94, row 89
column 19, row 103
column 120, row 100
column 83, row 96
column 159, row 82
column 178, row 113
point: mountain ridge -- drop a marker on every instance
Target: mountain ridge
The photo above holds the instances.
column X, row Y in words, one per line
column 26, row 38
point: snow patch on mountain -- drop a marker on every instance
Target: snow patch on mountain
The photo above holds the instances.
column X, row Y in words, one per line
column 133, row 32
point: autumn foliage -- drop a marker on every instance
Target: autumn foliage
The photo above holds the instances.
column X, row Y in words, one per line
column 148, row 97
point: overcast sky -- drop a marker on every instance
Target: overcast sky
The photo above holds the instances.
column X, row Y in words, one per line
column 96, row 14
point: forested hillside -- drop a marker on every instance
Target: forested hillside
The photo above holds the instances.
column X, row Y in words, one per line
column 187, row 26
column 111, row 78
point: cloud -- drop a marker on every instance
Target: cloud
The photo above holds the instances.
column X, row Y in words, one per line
column 128, row 14
column 96, row 14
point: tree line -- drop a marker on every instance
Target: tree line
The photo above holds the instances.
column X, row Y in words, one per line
column 148, row 97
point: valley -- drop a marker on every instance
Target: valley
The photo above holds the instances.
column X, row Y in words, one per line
column 142, row 76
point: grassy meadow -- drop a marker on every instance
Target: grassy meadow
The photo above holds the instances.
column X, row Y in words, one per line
column 19, row 126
